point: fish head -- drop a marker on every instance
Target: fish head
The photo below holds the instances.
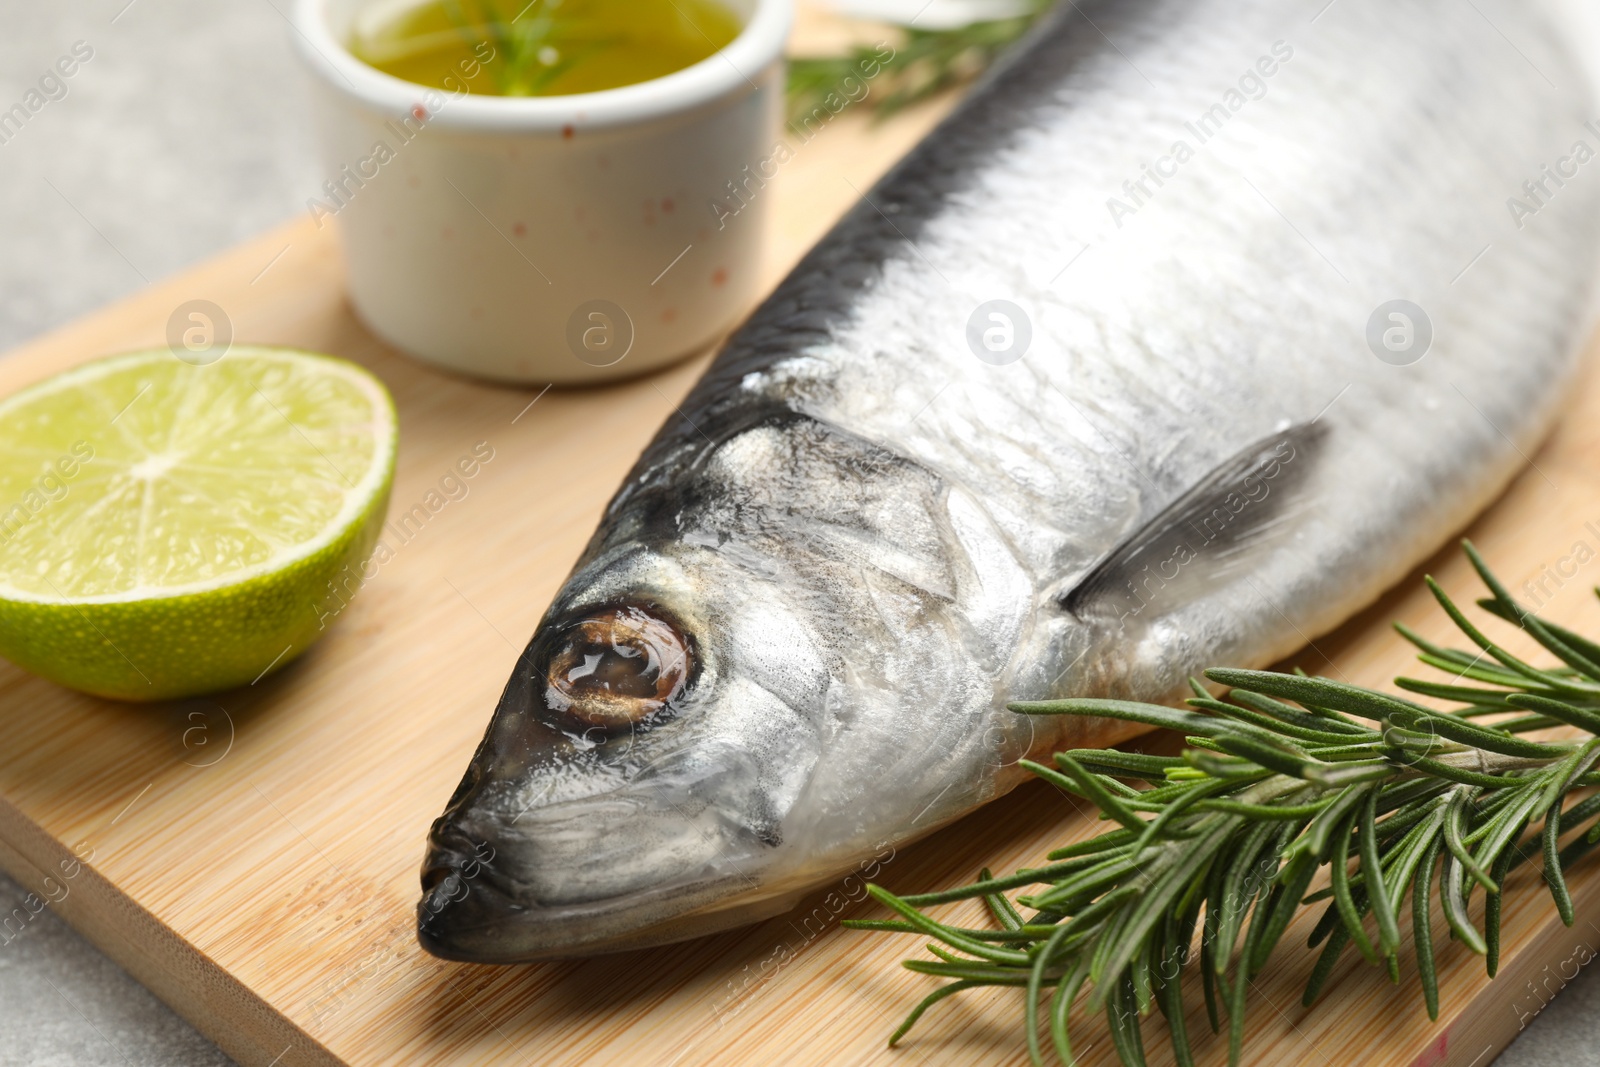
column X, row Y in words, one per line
column 638, row 769
column 711, row 717
column 712, row 714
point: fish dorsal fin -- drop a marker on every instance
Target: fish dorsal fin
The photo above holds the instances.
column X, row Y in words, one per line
column 1206, row 535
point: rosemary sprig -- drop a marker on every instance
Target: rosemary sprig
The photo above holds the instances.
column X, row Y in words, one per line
column 922, row 64
column 1288, row 775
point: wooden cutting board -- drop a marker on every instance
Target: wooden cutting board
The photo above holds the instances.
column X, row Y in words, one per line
column 254, row 859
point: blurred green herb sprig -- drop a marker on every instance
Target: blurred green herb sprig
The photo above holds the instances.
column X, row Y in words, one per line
column 922, row 64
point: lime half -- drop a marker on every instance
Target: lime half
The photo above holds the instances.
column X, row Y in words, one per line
column 169, row 529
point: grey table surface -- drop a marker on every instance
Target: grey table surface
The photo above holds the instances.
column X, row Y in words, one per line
column 184, row 133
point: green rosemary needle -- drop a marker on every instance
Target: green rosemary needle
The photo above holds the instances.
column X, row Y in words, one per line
column 1286, row 775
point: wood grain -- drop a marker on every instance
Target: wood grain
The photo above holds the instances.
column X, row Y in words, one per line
column 254, row 858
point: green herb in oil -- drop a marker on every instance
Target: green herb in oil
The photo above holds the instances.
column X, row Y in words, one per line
column 543, row 47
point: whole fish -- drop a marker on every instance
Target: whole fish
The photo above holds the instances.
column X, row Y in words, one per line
column 1197, row 325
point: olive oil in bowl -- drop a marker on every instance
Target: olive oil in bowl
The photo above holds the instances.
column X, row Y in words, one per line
column 543, row 47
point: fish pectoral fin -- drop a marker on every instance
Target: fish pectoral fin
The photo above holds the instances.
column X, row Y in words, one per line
column 1208, row 534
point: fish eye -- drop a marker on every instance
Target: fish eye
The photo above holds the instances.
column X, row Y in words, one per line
column 616, row 667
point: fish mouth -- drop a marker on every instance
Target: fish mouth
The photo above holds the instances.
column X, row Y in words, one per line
column 467, row 915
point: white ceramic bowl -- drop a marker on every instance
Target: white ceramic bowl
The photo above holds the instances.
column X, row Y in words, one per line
column 548, row 239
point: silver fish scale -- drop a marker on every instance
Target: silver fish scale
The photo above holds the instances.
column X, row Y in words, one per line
column 869, row 531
